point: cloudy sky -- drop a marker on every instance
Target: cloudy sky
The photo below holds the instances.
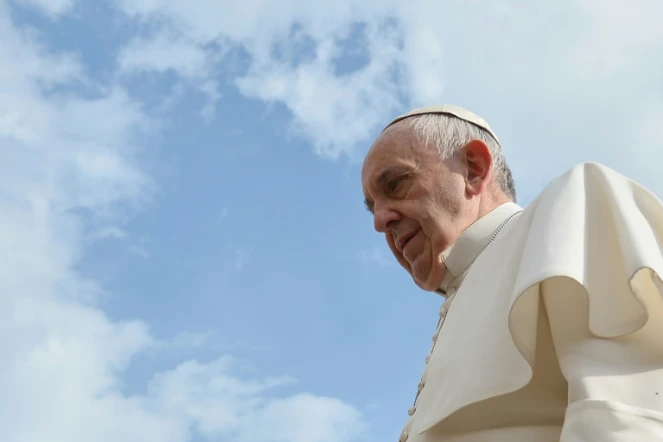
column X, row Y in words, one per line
column 185, row 255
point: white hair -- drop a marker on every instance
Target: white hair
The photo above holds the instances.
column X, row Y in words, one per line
column 448, row 134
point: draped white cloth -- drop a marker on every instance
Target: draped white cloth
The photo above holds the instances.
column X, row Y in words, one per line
column 555, row 332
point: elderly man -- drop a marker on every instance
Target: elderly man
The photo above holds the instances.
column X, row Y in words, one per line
column 552, row 324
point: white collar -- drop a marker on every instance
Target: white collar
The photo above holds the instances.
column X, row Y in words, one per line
column 460, row 255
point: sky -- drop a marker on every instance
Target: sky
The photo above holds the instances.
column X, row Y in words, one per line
column 184, row 251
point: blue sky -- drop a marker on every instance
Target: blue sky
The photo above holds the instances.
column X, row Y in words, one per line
column 186, row 256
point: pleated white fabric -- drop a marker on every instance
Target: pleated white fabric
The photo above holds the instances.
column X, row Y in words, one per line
column 556, row 332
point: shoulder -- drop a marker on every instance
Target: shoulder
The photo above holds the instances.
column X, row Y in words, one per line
column 588, row 177
column 594, row 186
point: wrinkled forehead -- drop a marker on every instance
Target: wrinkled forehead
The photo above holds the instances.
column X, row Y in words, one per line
column 396, row 147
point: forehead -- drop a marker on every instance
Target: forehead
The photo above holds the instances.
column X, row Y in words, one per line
column 396, row 148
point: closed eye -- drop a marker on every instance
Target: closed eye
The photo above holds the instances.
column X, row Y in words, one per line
column 394, row 184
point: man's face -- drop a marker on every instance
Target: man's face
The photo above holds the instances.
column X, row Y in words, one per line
column 417, row 201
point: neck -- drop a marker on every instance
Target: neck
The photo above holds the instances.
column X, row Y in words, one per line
column 460, row 255
column 491, row 201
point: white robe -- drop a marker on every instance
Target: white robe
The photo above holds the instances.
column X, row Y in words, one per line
column 555, row 332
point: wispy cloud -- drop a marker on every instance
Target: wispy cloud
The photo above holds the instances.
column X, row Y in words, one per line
column 376, row 256
column 72, row 172
column 239, row 256
column 223, row 214
column 70, row 166
column 54, row 9
column 186, row 341
column 138, row 250
column 110, row 232
column 405, row 55
column 330, row 110
column 166, row 52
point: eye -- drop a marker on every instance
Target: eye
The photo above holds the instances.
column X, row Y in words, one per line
column 394, row 184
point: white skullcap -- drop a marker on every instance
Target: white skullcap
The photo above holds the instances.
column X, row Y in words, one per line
column 448, row 109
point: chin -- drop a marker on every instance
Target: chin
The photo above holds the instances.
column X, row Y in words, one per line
column 429, row 282
column 425, row 284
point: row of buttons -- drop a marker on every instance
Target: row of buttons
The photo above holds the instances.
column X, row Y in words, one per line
column 443, row 313
column 454, row 287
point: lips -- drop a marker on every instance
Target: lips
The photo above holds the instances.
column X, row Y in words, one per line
column 402, row 242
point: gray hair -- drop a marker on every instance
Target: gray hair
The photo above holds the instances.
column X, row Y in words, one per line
column 448, row 134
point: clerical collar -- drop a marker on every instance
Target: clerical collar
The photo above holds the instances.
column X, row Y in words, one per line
column 459, row 256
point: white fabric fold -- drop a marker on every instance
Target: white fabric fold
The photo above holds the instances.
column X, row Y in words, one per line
column 592, row 238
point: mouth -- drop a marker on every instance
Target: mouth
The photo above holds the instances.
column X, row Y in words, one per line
column 402, row 242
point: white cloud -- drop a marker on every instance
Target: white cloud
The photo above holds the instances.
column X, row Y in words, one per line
column 223, row 215
column 333, row 112
column 138, row 250
column 187, row 340
column 222, row 405
column 164, row 52
column 376, row 256
column 52, row 8
column 211, row 90
column 561, row 82
column 210, row 396
column 239, row 257
column 303, row 418
column 71, row 167
column 110, row 232
column 168, row 52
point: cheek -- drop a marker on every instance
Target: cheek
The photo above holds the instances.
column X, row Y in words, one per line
column 437, row 235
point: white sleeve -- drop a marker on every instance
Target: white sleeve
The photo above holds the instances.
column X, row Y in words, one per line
column 615, row 385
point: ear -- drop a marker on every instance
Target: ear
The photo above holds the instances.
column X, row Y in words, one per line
column 479, row 165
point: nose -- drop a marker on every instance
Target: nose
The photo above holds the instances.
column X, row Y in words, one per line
column 384, row 218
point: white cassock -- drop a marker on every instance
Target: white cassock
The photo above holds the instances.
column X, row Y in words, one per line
column 554, row 329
